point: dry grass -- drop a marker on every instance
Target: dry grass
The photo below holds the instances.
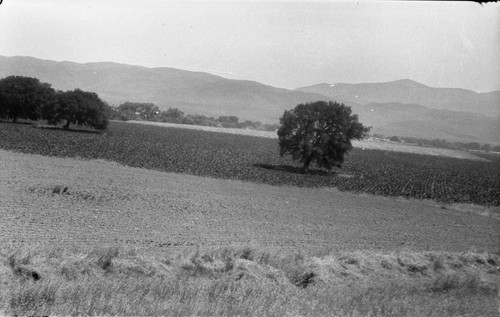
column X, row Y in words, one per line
column 249, row 281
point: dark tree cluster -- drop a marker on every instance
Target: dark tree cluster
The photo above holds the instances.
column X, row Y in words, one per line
column 23, row 97
column 76, row 107
column 141, row 111
column 28, row 98
column 151, row 112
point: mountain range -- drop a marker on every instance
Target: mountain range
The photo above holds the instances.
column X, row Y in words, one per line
column 402, row 107
column 411, row 92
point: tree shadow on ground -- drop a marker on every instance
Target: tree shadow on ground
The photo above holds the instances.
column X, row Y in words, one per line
column 34, row 124
column 69, row 130
column 17, row 122
column 295, row 169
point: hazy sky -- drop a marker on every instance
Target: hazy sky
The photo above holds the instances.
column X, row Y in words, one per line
column 281, row 43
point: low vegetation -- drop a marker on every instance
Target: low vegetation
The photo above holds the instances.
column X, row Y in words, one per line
column 246, row 281
column 256, row 159
column 151, row 113
column 443, row 144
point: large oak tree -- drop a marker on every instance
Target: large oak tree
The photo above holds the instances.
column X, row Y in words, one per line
column 77, row 107
column 319, row 132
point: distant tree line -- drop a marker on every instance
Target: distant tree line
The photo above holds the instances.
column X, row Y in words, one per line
column 440, row 143
column 151, row 112
column 29, row 99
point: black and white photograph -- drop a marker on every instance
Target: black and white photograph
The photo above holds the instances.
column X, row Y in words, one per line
column 249, row 158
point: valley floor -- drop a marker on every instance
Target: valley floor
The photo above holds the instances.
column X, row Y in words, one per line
column 373, row 144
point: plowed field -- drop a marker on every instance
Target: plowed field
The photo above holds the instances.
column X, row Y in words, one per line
column 85, row 203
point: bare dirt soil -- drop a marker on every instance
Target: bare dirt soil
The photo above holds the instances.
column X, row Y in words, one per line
column 51, row 201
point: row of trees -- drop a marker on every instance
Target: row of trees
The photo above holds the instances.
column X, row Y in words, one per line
column 151, row 112
column 28, row 98
column 440, row 143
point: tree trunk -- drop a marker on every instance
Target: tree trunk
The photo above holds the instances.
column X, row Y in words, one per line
column 307, row 162
column 66, row 126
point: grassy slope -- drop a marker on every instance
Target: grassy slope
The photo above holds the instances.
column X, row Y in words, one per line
column 247, row 281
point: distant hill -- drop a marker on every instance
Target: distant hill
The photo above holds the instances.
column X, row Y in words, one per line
column 426, row 123
column 406, row 91
column 191, row 92
column 403, row 107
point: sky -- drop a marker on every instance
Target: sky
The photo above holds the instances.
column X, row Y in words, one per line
column 280, row 43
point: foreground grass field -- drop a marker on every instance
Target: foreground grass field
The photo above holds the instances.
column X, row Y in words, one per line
column 256, row 159
column 247, row 281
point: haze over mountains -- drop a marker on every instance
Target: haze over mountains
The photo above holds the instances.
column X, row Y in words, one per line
column 191, row 92
column 402, row 107
column 411, row 92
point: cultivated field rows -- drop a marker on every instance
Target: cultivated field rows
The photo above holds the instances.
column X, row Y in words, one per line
column 50, row 201
column 255, row 159
column 362, row 144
